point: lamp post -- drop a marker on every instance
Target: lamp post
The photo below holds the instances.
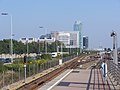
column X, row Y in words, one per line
column 27, row 47
column 11, row 30
column 57, row 49
column 62, row 49
column 45, row 45
column 39, row 46
column 62, row 41
column 115, row 58
column 45, row 40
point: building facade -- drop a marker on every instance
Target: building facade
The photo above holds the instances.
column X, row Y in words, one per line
column 77, row 27
column 85, row 42
column 69, row 38
column 41, row 39
column 28, row 40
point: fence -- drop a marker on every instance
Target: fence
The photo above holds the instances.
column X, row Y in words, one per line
column 114, row 72
column 13, row 75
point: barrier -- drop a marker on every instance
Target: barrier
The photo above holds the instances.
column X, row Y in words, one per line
column 114, row 73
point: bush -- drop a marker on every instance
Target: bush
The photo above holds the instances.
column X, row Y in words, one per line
column 2, row 67
column 65, row 55
column 38, row 57
column 46, row 56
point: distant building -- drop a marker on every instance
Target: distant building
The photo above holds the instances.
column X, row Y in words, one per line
column 64, row 37
column 48, row 40
column 74, row 39
column 42, row 36
column 28, row 40
column 85, row 42
column 77, row 27
column 47, row 36
column 23, row 40
column 69, row 38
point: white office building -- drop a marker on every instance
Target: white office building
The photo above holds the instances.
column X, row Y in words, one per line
column 69, row 38
column 46, row 39
column 28, row 40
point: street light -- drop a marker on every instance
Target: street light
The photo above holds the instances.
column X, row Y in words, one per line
column 39, row 46
column 115, row 58
column 27, row 47
column 11, row 29
column 45, row 40
column 57, row 49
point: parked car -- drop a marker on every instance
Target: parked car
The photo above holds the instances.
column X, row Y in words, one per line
column 5, row 60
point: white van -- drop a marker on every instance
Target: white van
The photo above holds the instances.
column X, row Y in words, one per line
column 54, row 54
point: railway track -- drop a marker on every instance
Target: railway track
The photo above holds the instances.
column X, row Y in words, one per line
column 51, row 75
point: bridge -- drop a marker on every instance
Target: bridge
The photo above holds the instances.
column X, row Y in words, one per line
column 75, row 73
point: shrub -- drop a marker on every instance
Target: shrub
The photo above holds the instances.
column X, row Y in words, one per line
column 46, row 56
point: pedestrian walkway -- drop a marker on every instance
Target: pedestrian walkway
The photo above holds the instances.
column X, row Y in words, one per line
column 79, row 79
column 56, row 80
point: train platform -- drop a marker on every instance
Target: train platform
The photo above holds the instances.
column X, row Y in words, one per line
column 79, row 79
column 77, row 74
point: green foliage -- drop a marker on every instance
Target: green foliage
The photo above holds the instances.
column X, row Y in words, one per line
column 38, row 57
column 33, row 47
column 1, row 67
column 46, row 56
column 13, row 66
column 53, row 46
column 18, row 60
column 59, row 56
column 65, row 55
column 4, row 46
column 20, row 48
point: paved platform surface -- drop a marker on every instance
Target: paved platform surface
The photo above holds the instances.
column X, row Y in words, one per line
column 78, row 79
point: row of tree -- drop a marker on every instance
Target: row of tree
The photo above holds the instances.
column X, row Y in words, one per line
column 34, row 47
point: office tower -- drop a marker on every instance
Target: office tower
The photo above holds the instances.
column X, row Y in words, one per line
column 77, row 27
column 85, row 42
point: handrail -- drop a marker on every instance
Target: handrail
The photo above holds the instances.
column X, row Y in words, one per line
column 114, row 71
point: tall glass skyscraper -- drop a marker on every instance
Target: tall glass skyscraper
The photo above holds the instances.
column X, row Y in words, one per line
column 77, row 27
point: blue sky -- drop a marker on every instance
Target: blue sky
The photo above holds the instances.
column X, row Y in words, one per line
column 99, row 18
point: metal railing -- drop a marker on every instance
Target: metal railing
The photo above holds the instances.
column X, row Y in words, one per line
column 114, row 72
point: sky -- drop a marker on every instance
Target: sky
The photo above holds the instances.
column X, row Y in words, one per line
column 99, row 18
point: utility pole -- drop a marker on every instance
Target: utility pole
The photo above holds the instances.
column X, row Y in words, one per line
column 39, row 46
column 45, row 39
column 115, row 58
column 11, row 34
column 27, row 47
